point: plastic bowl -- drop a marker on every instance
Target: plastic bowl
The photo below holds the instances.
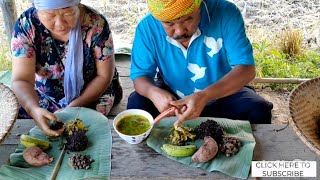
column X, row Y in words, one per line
column 133, row 139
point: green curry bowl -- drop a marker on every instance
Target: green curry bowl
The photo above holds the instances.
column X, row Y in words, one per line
column 133, row 125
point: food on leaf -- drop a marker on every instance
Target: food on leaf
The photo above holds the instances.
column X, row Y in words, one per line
column 179, row 135
column 79, row 161
column 74, row 126
column 210, row 128
column 36, row 157
column 179, row 151
column 230, row 146
column 29, row 141
column 55, row 125
column 78, row 141
column 207, row 151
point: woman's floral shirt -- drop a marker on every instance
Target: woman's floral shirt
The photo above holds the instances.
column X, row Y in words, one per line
column 31, row 39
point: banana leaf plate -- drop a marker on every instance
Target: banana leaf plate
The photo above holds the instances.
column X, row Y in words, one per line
column 100, row 144
column 236, row 166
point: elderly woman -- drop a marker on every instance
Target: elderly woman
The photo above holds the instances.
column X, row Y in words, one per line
column 63, row 56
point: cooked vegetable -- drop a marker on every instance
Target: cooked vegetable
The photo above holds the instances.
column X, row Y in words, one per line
column 179, row 151
column 36, row 157
column 29, row 141
column 74, row 126
column 179, row 135
column 207, row 151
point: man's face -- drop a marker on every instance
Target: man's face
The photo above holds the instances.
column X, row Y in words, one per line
column 183, row 28
column 60, row 21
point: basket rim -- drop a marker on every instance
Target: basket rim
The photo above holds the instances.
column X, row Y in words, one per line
column 292, row 120
column 15, row 110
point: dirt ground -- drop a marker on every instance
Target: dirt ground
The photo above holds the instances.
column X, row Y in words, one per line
column 279, row 98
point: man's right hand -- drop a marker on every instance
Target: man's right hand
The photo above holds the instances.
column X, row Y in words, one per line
column 161, row 99
column 42, row 118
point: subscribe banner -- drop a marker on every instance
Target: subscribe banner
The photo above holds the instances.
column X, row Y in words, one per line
column 284, row 169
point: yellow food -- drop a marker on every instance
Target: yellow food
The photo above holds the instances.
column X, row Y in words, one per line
column 180, row 135
column 133, row 125
column 29, row 141
column 74, row 126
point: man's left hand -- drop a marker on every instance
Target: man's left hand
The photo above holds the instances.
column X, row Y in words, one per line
column 189, row 107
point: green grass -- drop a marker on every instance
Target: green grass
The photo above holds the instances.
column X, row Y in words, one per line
column 5, row 60
column 283, row 55
column 272, row 63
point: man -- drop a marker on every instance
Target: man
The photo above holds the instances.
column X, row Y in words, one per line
column 204, row 62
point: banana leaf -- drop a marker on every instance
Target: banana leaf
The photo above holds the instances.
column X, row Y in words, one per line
column 5, row 78
column 236, row 166
column 100, row 144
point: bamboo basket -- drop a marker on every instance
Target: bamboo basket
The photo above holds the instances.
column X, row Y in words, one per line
column 9, row 110
column 304, row 105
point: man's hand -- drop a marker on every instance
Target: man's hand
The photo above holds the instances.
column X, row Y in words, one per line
column 161, row 99
column 42, row 118
column 238, row 77
column 189, row 107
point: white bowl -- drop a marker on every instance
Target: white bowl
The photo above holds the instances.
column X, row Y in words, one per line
column 133, row 139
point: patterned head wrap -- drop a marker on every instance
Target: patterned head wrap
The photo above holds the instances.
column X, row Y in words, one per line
column 168, row 10
column 73, row 77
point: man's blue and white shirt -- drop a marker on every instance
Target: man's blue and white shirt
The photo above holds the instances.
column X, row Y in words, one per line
column 219, row 44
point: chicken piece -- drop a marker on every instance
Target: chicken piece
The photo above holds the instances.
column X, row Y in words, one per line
column 36, row 157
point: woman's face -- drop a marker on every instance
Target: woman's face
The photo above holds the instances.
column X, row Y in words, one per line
column 60, row 21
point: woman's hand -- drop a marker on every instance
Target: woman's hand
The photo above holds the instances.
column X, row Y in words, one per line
column 23, row 79
column 42, row 118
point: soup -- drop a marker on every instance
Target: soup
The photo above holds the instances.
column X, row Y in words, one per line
column 133, row 125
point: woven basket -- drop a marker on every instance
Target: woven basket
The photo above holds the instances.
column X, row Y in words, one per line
column 9, row 110
column 304, row 105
